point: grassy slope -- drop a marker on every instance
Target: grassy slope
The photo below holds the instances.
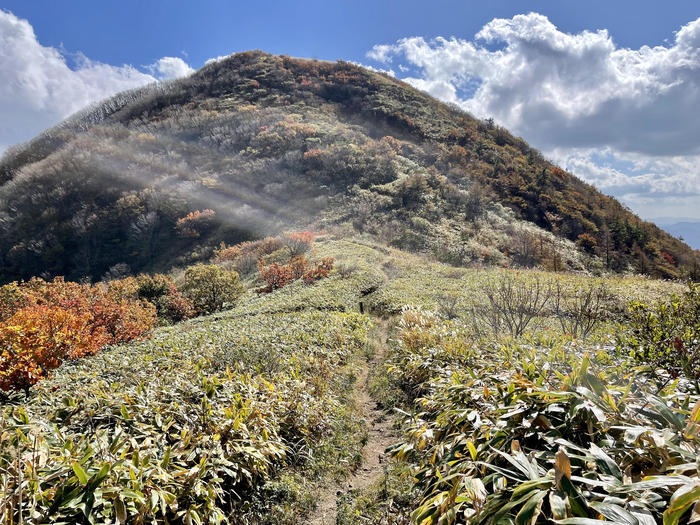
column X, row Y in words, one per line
column 253, row 400
column 251, row 405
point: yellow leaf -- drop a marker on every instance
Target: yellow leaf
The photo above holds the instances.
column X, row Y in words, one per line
column 562, row 466
column 693, row 426
column 472, row 449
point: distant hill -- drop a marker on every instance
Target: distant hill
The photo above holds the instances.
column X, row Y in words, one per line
column 687, row 229
column 257, row 143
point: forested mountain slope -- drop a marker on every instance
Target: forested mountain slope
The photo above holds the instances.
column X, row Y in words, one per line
column 257, row 143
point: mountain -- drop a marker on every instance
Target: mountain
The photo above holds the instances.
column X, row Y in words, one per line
column 256, row 144
column 687, row 229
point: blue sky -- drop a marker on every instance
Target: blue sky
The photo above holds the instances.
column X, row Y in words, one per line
column 139, row 32
column 607, row 89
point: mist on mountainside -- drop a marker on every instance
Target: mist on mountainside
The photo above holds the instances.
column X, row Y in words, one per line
column 256, row 144
column 284, row 291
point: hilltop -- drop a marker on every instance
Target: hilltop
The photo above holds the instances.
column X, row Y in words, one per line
column 255, row 144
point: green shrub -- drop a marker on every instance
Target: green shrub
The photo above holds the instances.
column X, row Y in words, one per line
column 159, row 290
column 527, row 434
column 211, row 287
column 666, row 335
column 192, row 426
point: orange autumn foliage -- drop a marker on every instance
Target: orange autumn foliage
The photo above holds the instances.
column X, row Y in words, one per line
column 159, row 290
column 37, row 339
column 298, row 242
column 278, row 275
column 322, row 269
column 275, row 275
column 257, row 249
column 195, row 223
column 44, row 323
column 669, row 258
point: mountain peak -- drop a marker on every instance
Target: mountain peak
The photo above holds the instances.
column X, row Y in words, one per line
column 264, row 143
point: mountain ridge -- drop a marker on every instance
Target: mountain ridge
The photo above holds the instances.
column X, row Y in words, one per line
column 271, row 142
column 685, row 228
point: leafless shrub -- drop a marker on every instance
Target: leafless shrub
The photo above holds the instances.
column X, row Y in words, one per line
column 513, row 303
column 298, row 243
column 246, row 264
column 579, row 312
column 448, row 306
column 523, row 246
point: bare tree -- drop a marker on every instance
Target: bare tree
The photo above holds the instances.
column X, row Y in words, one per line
column 524, row 246
column 514, row 303
column 581, row 311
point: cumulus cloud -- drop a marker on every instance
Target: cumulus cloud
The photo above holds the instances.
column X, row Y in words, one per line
column 39, row 89
column 168, row 68
column 574, row 95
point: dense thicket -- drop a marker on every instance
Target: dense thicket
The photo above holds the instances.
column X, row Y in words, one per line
column 255, row 143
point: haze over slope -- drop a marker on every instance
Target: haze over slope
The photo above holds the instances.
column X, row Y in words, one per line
column 269, row 143
column 686, row 229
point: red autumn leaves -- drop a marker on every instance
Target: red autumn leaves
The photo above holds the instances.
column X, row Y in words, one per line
column 44, row 323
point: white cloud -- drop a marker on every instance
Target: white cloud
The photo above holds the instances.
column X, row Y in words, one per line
column 389, row 72
column 381, row 53
column 441, row 89
column 621, row 173
column 216, row 59
column 652, row 186
column 39, row 89
column 168, row 68
column 604, row 176
column 575, row 95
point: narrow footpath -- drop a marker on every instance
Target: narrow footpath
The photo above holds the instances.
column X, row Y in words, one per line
column 380, row 436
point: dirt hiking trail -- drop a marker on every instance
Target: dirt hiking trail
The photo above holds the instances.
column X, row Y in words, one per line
column 380, row 436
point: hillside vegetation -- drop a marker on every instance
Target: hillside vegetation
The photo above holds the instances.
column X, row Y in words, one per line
column 222, row 297
column 256, row 144
column 249, row 415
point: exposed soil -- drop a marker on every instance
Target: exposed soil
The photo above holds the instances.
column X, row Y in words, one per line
column 380, row 436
